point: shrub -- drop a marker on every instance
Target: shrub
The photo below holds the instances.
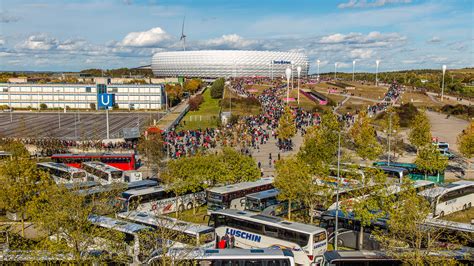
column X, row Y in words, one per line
column 406, row 112
column 43, row 106
column 92, row 106
column 195, row 102
column 217, row 88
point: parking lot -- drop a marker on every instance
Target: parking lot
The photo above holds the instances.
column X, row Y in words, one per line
column 72, row 125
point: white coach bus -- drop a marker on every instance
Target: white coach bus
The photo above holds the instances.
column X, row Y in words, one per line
column 233, row 196
column 62, row 173
column 450, row 197
column 181, row 233
column 158, row 200
column 224, row 257
column 307, row 242
column 103, row 173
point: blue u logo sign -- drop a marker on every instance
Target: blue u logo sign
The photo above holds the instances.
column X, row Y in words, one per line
column 105, row 99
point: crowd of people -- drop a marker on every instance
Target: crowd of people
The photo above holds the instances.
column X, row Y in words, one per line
column 390, row 97
column 188, row 142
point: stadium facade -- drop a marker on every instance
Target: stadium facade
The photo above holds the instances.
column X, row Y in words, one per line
column 81, row 96
column 228, row 63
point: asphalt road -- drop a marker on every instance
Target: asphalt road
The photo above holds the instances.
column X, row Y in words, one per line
column 72, row 125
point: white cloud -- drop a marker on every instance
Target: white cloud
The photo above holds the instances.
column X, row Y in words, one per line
column 434, row 39
column 2, row 41
column 149, row 38
column 7, row 18
column 373, row 38
column 375, row 3
column 361, row 53
column 39, row 42
column 230, row 41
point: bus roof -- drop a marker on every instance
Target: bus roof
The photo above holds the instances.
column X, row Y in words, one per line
column 139, row 191
column 4, row 153
column 396, row 164
column 102, row 166
column 240, row 186
column 142, row 183
column 356, row 255
column 264, row 194
column 391, row 168
column 271, row 220
column 119, row 225
column 163, row 221
column 236, row 253
column 62, row 167
column 463, row 227
column 437, row 191
column 58, row 155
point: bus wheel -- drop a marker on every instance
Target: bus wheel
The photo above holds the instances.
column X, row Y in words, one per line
column 441, row 214
column 181, row 208
column 469, row 205
column 189, row 206
column 340, row 242
column 464, row 207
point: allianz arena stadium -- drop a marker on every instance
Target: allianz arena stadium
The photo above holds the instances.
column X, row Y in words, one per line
column 227, row 63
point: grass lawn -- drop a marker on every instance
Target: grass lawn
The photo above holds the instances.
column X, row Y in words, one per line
column 305, row 102
column 354, row 104
column 206, row 116
column 461, row 216
column 188, row 216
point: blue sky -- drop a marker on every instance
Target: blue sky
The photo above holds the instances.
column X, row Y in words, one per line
column 73, row 35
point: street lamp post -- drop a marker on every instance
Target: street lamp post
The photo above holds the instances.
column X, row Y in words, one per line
column 442, row 87
column 59, row 111
column 335, row 71
column 318, row 61
column 377, row 62
column 353, row 69
column 107, row 118
column 10, row 103
column 337, row 186
column 299, row 73
column 292, row 76
column 288, row 75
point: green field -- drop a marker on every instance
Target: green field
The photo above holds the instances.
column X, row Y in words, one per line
column 206, row 117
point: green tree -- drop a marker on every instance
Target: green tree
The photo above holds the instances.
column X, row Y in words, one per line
column 365, row 138
column 239, row 168
column 430, row 160
column 420, row 130
column 320, row 145
column 20, row 180
column 289, row 170
column 404, row 238
column 466, row 141
column 16, row 148
column 43, row 106
column 217, row 88
column 286, row 125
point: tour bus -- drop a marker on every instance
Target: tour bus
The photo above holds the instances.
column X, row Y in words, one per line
column 450, row 197
column 181, row 233
column 266, row 202
column 419, row 185
column 137, row 243
column 348, row 176
column 124, row 161
column 62, row 173
column 233, row 196
column 413, row 171
column 396, row 174
column 103, row 173
column 159, row 200
column 224, row 257
column 250, row 230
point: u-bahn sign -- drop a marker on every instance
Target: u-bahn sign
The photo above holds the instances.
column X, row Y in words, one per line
column 105, row 100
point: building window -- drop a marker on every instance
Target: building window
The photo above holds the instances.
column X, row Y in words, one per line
column 88, row 89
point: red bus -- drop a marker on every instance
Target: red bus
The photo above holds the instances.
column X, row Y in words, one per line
column 122, row 161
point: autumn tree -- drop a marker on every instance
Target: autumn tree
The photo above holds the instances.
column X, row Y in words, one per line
column 289, row 172
column 20, row 180
column 466, row 141
column 430, row 160
column 193, row 85
column 391, row 127
column 320, row 144
column 365, row 138
column 64, row 214
column 372, row 201
column 420, row 130
column 405, row 238
column 16, row 148
column 174, row 92
column 151, row 147
column 286, row 125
